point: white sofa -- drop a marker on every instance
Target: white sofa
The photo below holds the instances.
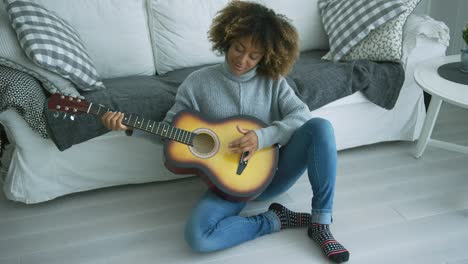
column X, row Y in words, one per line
column 37, row 171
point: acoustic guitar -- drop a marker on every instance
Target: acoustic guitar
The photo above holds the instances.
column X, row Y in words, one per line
column 198, row 146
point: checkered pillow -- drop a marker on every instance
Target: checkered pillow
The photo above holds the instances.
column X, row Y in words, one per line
column 384, row 43
column 52, row 43
column 347, row 22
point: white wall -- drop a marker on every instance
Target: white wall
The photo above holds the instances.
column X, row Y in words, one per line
column 454, row 13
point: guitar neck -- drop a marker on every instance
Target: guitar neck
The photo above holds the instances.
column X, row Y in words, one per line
column 158, row 128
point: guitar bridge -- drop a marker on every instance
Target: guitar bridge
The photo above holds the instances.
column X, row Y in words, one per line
column 242, row 163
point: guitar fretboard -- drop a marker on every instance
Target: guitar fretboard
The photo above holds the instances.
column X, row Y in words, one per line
column 158, row 128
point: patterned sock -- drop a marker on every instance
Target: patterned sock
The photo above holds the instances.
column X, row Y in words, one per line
column 323, row 237
column 289, row 218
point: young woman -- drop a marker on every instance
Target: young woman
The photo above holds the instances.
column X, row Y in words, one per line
column 260, row 47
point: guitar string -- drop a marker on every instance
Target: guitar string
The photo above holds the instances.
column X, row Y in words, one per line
column 204, row 143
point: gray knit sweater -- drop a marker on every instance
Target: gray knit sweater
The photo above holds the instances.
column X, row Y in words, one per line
column 217, row 93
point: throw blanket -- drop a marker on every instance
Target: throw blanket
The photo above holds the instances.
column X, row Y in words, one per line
column 315, row 81
column 318, row 82
column 23, row 93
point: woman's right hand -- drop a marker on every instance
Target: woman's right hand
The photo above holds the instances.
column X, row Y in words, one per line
column 113, row 121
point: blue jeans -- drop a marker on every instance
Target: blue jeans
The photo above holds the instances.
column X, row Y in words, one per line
column 215, row 222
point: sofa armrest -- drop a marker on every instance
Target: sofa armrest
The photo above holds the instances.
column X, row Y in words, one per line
column 425, row 34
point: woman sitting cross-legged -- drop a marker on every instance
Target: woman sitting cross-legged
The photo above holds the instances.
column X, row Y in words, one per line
column 260, row 47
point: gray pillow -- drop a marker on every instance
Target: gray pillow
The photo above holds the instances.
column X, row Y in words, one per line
column 384, row 43
column 11, row 55
column 52, row 43
column 347, row 22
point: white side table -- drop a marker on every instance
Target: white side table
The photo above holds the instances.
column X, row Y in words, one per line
column 442, row 90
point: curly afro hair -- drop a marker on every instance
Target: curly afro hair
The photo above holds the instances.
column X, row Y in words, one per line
column 272, row 31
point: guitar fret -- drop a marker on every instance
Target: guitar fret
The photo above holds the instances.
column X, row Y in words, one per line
column 129, row 120
column 184, row 138
column 170, row 133
column 163, row 130
column 140, row 122
column 181, row 135
column 192, row 135
column 89, row 107
column 95, row 109
column 177, row 134
column 187, row 141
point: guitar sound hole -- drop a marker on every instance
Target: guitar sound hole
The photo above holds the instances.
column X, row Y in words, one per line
column 203, row 144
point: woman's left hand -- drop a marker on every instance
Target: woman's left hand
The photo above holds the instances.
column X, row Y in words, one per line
column 249, row 142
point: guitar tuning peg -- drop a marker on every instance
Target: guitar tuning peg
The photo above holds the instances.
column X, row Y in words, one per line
column 72, row 117
column 56, row 114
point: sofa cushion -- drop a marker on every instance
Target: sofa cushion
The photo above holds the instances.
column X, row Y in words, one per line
column 179, row 29
column 179, row 32
column 305, row 16
column 115, row 33
column 384, row 43
column 52, row 43
column 12, row 56
column 349, row 22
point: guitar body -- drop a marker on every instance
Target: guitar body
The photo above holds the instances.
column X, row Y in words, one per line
column 210, row 158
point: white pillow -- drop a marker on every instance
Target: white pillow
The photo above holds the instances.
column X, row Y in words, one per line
column 179, row 32
column 115, row 33
column 305, row 17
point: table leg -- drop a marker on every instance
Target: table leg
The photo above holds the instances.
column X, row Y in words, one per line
column 428, row 126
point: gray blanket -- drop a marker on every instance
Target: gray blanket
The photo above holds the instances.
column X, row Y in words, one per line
column 315, row 81
column 318, row 82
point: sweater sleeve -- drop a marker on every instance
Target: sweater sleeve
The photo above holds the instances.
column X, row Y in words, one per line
column 184, row 100
column 293, row 113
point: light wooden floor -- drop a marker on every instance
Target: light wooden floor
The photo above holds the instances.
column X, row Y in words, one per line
column 389, row 208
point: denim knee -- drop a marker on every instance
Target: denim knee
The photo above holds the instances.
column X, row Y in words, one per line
column 321, row 132
column 195, row 240
column 318, row 125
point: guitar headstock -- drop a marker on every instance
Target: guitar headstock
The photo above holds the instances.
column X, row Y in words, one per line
column 61, row 103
